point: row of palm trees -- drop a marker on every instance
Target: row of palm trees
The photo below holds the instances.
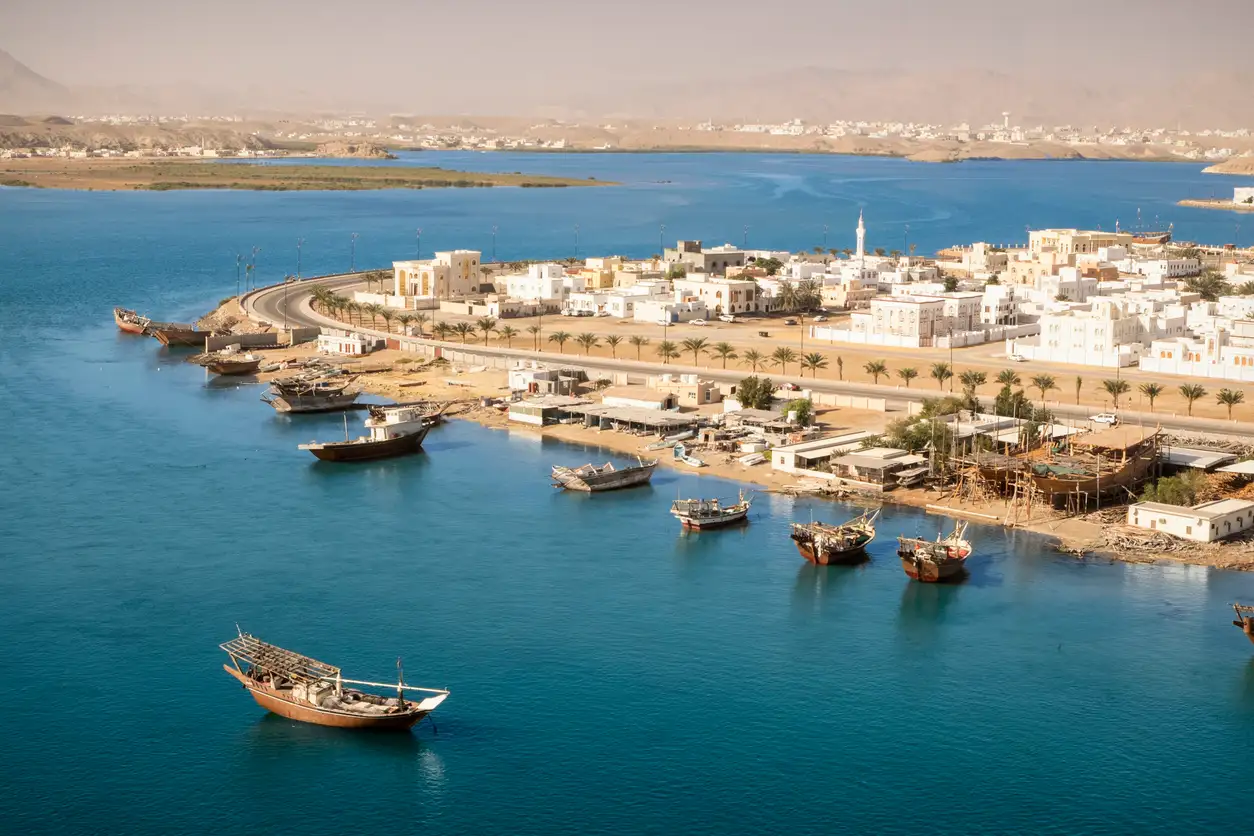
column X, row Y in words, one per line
column 781, row 358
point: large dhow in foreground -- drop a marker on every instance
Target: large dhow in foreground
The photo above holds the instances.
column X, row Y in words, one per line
column 592, row 479
column 394, row 431
column 710, row 513
column 300, row 395
column 827, row 545
column 933, row 561
column 1245, row 619
column 304, row 689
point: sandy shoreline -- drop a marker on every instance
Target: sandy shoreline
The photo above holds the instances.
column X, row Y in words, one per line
column 391, row 374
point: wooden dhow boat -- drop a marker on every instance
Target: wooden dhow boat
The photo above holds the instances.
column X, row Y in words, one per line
column 134, row 323
column 931, row 561
column 829, row 545
column 1245, row 619
column 395, row 430
column 178, row 335
column 710, row 513
column 593, row 479
column 230, row 361
column 304, row 689
column 296, row 395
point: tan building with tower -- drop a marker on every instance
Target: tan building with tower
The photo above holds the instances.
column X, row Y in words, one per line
column 1075, row 241
column 447, row 276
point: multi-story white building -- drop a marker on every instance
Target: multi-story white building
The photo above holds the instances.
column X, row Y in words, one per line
column 619, row 302
column 668, row 310
column 721, row 296
column 1075, row 241
column 448, row 275
column 1160, row 268
column 1222, row 354
column 1110, row 334
column 544, row 281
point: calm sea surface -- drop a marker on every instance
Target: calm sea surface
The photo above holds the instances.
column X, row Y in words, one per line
column 609, row 674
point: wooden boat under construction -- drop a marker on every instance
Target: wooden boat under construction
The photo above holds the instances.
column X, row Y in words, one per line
column 304, row 689
column 394, row 431
column 185, row 336
column 1245, row 619
column 701, row 514
column 593, row 479
column 934, row 561
column 829, row 545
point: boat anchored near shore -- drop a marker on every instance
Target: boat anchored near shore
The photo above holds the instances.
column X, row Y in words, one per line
column 932, row 561
column 593, row 479
column 1245, row 619
column 710, row 513
column 304, row 689
column 829, row 545
column 394, row 431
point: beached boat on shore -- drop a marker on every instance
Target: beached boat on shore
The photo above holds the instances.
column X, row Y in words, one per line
column 829, row 545
column 592, row 479
column 932, row 561
column 188, row 336
column 710, row 513
column 301, row 396
column 133, row 323
column 230, row 362
column 394, row 431
column 304, row 689
column 1245, row 619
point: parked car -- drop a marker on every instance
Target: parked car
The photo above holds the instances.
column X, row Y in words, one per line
column 1105, row 418
column 696, row 322
column 820, row 318
column 726, row 318
column 790, row 322
column 1018, row 358
column 603, row 313
column 790, row 387
column 663, row 322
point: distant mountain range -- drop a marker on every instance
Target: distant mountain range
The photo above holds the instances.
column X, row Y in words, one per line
column 1198, row 99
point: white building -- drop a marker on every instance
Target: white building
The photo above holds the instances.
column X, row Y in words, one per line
column 1243, row 194
column 336, row 341
column 1160, row 268
column 1111, row 334
column 1204, row 523
column 620, row 302
column 1221, row 354
column 448, row 275
column 668, row 310
column 721, row 296
column 543, row 281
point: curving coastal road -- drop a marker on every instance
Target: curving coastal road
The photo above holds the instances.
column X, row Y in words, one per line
column 270, row 304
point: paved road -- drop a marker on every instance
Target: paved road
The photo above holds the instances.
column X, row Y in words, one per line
column 271, row 303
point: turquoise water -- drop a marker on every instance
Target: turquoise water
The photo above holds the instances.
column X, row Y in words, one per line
column 609, row 674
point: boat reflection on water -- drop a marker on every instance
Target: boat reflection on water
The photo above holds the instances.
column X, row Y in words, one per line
column 923, row 606
column 817, row 586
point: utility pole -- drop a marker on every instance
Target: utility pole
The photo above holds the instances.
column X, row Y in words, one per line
column 661, row 238
column 253, row 267
column 494, row 243
column 352, row 264
column 300, row 243
column 576, row 242
column 744, row 244
column 239, row 259
column 824, row 236
column 419, row 236
column 286, row 281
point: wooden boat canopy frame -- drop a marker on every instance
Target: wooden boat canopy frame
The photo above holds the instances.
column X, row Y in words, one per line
column 301, row 670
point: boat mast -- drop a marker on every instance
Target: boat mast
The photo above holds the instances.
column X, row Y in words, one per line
column 400, row 682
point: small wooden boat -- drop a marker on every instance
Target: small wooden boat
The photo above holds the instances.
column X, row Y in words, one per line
column 828, row 545
column 394, row 431
column 232, row 364
column 710, row 513
column 592, row 479
column 1245, row 619
column 300, row 688
column 681, row 454
column 930, row 561
column 131, row 322
column 303, row 396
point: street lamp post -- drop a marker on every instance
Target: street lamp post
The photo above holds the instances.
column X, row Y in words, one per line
column 419, row 237
column 300, row 243
column 661, row 240
column 239, row 259
column 824, row 236
column 744, row 244
column 576, row 242
column 352, row 264
column 286, row 281
column 494, row 243
column 253, row 267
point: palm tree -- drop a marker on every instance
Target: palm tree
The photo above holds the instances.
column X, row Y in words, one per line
column 840, row 368
column 907, row 374
column 1150, row 391
column 588, row 341
column 534, row 331
column 487, row 325
column 639, row 342
column 940, row 373
column 1230, row 398
column 696, row 345
column 441, row 330
column 507, row 333
column 405, row 321
column 875, row 368
column 879, row 251
column 667, row 350
column 421, row 319
column 612, row 341
column 1191, row 392
column 1043, row 383
column 782, row 356
column 1244, row 289
column 388, row 316
column 972, row 380
column 1008, row 377
column 813, row 361
column 1210, row 284
column 559, row 337
column 1079, row 384
column 754, row 358
column 463, row 330
column 724, row 352
column 1115, row 388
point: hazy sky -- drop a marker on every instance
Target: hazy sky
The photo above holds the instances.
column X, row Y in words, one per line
column 474, row 55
